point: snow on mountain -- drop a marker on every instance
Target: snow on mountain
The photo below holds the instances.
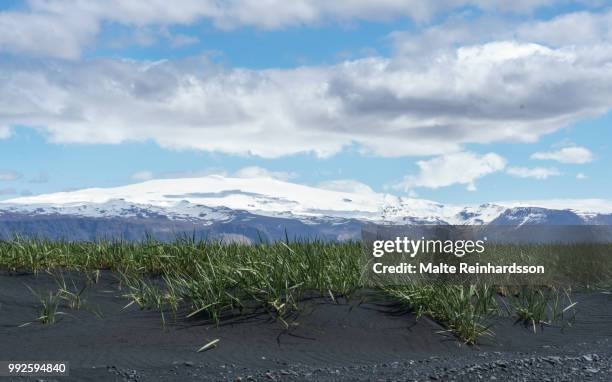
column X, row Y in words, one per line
column 216, row 198
column 122, row 209
column 262, row 195
column 585, row 208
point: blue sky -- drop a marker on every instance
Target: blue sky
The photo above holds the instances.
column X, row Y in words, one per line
column 461, row 103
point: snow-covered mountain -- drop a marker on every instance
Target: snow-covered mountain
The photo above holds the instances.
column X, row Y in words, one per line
column 250, row 207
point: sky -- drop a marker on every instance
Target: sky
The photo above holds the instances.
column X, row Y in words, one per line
column 459, row 101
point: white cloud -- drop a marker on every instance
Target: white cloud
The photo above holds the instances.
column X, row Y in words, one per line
column 346, row 185
column 62, row 35
column 63, row 28
column 9, row 175
column 259, row 172
column 581, row 176
column 503, row 91
column 535, row 172
column 577, row 28
column 576, row 155
column 457, row 168
column 142, row 175
column 501, row 86
column 572, row 30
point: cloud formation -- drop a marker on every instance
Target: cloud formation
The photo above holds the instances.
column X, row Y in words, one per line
column 535, row 172
column 463, row 29
column 447, row 86
column 64, row 28
column 457, row 168
column 502, row 91
column 575, row 155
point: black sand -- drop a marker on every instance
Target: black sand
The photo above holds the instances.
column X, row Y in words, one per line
column 366, row 339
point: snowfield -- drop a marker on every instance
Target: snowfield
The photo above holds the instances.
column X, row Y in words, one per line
column 214, row 198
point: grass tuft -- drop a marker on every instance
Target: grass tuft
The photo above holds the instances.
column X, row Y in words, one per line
column 48, row 309
column 213, row 281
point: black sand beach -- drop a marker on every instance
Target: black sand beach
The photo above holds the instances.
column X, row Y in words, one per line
column 365, row 339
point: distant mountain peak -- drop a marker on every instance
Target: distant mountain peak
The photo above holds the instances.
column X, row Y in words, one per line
column 248, row 202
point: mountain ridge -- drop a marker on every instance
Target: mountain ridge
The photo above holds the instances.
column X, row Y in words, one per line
column 221, row 206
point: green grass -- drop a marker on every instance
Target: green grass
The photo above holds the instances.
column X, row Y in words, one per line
column 539, row 306
column 190, row 279
column 48, row 307
column 464, row 310
column 70, row 293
